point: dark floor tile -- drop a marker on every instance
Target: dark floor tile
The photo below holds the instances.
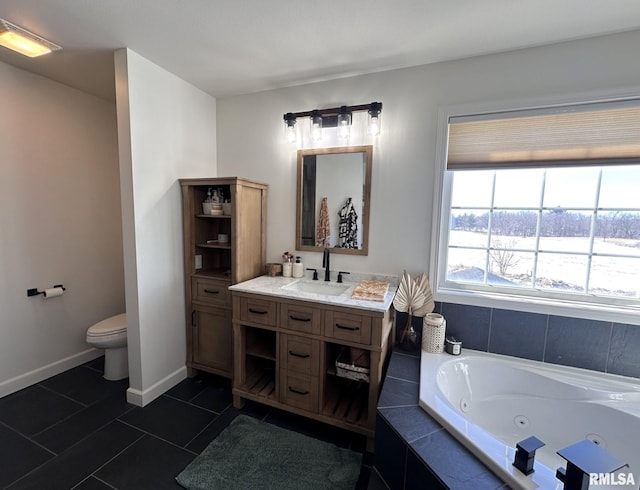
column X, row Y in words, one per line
column 84, row 385
column 150, row 463
column 92, row 483
column 187, row 389
column 96, row 364
column 211, row 431
column 34, row 409
column 215, row 398
column 18, row 456
column 170, row 419
column 78, row 462
column 83, row 423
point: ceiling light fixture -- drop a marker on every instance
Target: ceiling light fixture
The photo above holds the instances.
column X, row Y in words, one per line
column 340, row 117
column 24, row 42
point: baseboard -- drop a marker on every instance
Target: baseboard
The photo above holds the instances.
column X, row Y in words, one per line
column 32, row 377
column 141, row 398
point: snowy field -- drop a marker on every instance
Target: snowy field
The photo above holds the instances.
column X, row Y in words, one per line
column 556, row 268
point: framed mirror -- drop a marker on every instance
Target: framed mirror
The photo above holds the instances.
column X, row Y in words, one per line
column 333, row 199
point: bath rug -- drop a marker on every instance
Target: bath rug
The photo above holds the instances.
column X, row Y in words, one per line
column 251, row 454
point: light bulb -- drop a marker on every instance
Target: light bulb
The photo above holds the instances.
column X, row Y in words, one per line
column 316, row 126
column 344, row 123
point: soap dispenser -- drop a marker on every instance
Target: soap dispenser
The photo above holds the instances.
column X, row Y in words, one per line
column 298, row 268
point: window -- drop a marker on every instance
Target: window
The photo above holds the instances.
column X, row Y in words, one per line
column 542, row 207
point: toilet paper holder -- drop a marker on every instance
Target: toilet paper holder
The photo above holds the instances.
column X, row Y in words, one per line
column 35, row 292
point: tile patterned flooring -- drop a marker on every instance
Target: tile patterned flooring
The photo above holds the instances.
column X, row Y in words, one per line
column 76, row 430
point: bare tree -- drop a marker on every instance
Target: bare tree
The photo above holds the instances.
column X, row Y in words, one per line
column 503, row 255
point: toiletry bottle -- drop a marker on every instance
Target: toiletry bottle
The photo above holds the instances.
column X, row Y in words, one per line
column 298, row 268
column 287, row 267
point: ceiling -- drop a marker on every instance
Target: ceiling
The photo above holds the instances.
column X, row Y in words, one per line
column 232, row 47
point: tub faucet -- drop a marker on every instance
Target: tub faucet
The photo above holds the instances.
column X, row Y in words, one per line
column 526, row 454
column 586, row 462
column 325, row 264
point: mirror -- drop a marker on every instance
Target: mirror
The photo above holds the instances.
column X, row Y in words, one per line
column 343, row 177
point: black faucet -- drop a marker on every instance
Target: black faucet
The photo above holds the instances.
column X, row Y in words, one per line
column 325, row 264
column 584, row 460
column 526, row 454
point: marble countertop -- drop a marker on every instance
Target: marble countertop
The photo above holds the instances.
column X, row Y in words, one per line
column 275, row 286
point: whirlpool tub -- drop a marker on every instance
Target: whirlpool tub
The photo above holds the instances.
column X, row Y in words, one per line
column 491, row 402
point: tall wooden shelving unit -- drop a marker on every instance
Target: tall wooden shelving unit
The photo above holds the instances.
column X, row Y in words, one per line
column 207, row 299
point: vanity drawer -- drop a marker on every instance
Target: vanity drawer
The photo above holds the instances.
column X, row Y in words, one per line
column 210, row 291
column 300, row 354
column 300, row 318
column 347, row 326
column 300, row 391
column 258, row 311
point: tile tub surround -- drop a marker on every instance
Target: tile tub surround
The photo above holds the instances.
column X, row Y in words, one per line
column 410, row 444
column 590, row 344
column 412, row 450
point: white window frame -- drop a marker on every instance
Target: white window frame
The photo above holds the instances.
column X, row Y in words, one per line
column 466, row 294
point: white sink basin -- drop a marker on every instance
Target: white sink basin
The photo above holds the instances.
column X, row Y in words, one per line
column 317, row 287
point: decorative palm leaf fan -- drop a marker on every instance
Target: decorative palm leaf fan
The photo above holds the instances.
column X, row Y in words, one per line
column 415, row 298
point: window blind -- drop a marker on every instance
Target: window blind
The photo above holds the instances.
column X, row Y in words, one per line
column 587, row 134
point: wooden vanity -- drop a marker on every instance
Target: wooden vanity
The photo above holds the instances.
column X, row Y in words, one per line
column 286, row 345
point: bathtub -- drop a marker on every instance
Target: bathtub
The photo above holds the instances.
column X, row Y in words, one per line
column 489, row 402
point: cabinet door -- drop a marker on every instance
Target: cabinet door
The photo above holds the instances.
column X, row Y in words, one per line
column 212, row 338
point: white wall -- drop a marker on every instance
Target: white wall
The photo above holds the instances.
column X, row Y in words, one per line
column 166, row 131
column 60, row 223
column 251, row 140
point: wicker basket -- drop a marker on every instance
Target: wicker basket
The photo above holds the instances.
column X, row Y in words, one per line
column 433, row 333
column 350, row 371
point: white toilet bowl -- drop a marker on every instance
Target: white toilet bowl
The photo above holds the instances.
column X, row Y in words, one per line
column 111, row 335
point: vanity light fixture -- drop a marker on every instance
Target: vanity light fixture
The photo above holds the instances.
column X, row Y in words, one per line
column 24, row 42
column 340, row 117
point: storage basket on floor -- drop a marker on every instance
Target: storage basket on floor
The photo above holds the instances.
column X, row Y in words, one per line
column 433, row 333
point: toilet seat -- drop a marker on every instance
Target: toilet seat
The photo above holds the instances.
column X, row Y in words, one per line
column 111, row 327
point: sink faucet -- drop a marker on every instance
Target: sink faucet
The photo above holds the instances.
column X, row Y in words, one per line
column 325, row 264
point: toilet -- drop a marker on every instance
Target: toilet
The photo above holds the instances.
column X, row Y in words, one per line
column 111, row 335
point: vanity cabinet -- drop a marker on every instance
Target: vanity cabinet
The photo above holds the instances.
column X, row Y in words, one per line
column 285, row 356
column 211, row 266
